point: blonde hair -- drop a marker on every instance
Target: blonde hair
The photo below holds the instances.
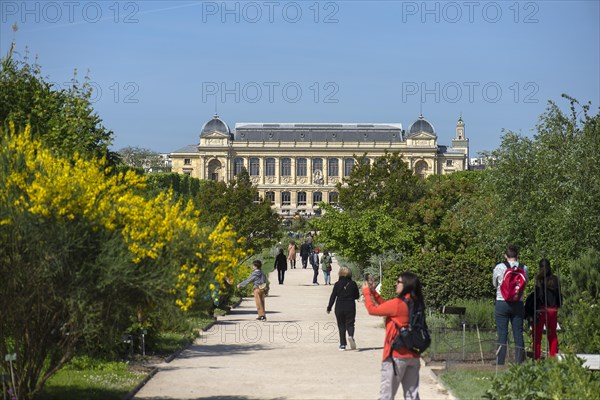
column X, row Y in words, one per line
column 345, row 271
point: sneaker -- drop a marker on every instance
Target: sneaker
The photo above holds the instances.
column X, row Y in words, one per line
column 342, row 348
column 263, row 318
column 352, row 343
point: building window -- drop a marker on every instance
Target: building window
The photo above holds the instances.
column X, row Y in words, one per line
column 449, row 163
column 238, row 166
column 286, row 166
column 301, row 167
column 286, row 198
column 270, row 196
column 366, row 161
column 317, row 165
column 187, row 161
column 317, row 198
column 254, row 166
column 421, row 168
column 301, row 198
column 333, row 169
column 348, row 164
column 333, row 198
column 270, row 166
column 257, row 198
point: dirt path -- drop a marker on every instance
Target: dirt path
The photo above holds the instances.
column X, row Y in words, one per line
column 294, row 355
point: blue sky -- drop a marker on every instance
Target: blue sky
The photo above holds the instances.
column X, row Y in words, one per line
column 160, row 69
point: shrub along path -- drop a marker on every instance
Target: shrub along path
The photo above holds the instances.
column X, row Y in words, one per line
column 294, row 355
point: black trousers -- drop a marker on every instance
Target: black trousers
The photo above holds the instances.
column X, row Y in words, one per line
column 345, row 316
column 304, row 261
column 280, row 274
column 315, row 274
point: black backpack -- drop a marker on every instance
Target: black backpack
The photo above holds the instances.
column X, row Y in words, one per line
column 416, row 337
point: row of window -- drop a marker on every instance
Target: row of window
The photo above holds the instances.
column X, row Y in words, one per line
column 286, row 198
column 285, row 168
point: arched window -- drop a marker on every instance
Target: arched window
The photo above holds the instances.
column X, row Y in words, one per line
column 254, row 166
column 214, row 170
column 333, row 168
column 286, row 198
column 333, row 198
column 286, row 166
column 301, row 198
column 238, row 166
column 301, row 167
column 270, row 166
column 317, row 198
column 317, row 165
column 348, row 164
column 421, row 168
column 270, row 196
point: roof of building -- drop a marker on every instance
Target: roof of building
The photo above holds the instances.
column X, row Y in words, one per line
column 217, row 125
column 421, row 125
column 319, row 132
column 190, row 148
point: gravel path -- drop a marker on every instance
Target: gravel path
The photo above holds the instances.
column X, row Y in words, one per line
column 294, row 355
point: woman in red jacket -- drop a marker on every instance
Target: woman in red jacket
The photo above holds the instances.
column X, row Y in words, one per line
column 398, row 366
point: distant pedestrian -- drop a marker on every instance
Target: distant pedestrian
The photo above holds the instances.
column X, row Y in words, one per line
column 547, row 302
column 292, row 254
column 344, row 295
column 326, row 267
column 304, row 253
column 509, row 311
column 261, row 287
column 281, row 266
column 402, row 365
column 314, row 262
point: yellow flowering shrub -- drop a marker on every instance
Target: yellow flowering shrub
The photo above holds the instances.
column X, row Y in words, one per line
column 36, row 181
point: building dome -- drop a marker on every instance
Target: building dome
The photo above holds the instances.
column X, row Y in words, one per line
column 421, row 125
column 215, row 125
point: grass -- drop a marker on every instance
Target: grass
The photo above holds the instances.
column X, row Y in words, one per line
column 94, row 380
column 469, row 382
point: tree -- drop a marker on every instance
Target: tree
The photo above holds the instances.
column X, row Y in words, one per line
column 387, row 183
column 148, row 160
column 251, row 217
column 62, row 118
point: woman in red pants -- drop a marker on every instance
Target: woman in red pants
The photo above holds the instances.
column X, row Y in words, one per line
column 548, row 301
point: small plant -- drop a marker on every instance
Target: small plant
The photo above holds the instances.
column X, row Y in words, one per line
column 551, row 378
column 479, row 312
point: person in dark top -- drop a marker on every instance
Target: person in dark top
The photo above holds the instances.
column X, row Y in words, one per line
column 547, row 302
column 305, row 253
column 281, row 265
column 314, row 263
column 344, row 295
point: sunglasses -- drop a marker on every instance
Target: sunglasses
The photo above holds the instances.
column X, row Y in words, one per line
column 399, row 281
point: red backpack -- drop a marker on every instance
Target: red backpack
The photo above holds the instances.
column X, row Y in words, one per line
column 514, row 282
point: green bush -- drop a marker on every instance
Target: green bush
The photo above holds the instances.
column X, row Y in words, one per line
column 479, row 312
column 547, row 379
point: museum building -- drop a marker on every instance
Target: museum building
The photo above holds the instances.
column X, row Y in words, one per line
column 297, row 165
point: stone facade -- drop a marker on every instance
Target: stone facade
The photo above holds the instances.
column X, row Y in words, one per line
column 298, row 165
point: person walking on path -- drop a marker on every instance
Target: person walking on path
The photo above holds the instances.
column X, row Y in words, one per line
column 292, row 254
column 509, row 311
column 314, row 262
column 304, row 253
column 402, row 365
column 261, row 287
column 344, row 295
column 326, row 267
column 281, row 266
column 547, row 302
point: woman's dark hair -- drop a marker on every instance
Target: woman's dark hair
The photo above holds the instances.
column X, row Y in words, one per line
column 257, row 264
column 544, row 277
column 411, row 285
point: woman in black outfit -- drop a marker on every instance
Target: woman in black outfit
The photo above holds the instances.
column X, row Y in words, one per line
column 345, row 291
column 281, row 265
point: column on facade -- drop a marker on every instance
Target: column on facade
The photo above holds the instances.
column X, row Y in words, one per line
column 293, row 167
column 309, row 174
column 202, row 167
column 261, row 170
column 277, row 170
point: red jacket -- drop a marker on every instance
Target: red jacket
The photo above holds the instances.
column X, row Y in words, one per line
column 395, row 310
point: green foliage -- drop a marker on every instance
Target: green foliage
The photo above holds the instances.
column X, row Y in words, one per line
column 446, row 277
column 468, row 383
column 386, row 183
column 251, row 219
column 580, row 309
column 63, row 118
column 184, row 186
column 547, row 379
column 478, row 312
